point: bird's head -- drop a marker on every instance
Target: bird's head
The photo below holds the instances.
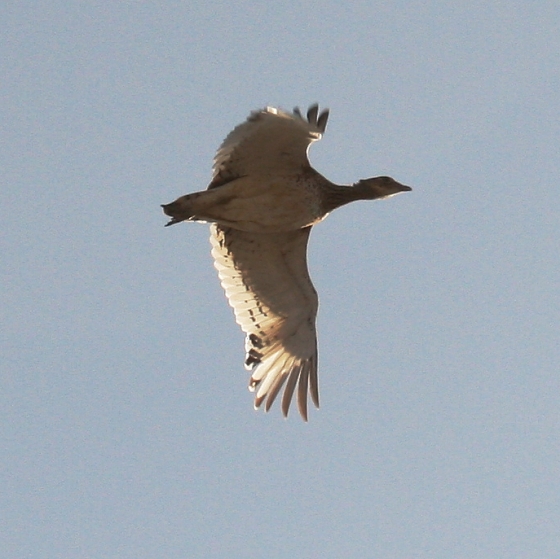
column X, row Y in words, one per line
column 380, row 187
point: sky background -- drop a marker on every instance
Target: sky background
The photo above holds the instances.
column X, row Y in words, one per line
column 127, row 430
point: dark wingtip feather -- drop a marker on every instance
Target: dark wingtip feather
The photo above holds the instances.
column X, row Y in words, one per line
column 302, row 391
column 314, row 382
column 322, row 120
column 312, row 114
column 289, row 391
column 316, row 120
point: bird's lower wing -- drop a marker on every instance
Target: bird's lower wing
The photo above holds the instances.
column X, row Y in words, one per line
column 266, row 281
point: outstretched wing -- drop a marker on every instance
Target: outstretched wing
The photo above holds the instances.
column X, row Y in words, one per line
column 269, row 142
column 266, row 281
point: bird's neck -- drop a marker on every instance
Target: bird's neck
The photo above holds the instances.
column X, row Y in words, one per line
column 336, row 195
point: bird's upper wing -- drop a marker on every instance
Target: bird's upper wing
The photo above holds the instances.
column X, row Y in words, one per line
column 270, row 141
column 266, row 281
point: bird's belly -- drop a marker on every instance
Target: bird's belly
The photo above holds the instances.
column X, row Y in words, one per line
column 263, row 205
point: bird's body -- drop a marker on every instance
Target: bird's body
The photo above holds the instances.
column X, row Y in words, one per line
column 261, row 204
column 262, row 201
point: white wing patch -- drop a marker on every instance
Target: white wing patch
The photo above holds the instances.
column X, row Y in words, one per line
column 266, row 281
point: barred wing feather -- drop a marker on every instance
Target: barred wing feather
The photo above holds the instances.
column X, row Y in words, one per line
column 266, row 281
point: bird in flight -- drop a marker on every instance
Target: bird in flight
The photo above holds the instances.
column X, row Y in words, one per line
column 262, row 201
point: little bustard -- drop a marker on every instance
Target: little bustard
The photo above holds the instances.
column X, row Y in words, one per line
column 263, row 199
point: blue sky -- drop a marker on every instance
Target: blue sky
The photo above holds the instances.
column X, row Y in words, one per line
column 127, row 429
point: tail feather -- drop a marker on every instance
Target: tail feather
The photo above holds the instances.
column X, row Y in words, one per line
column 179, row 210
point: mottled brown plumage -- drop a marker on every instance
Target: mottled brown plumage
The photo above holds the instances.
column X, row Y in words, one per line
column 263, row 199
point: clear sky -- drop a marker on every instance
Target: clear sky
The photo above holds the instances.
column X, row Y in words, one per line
column 127, row 430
